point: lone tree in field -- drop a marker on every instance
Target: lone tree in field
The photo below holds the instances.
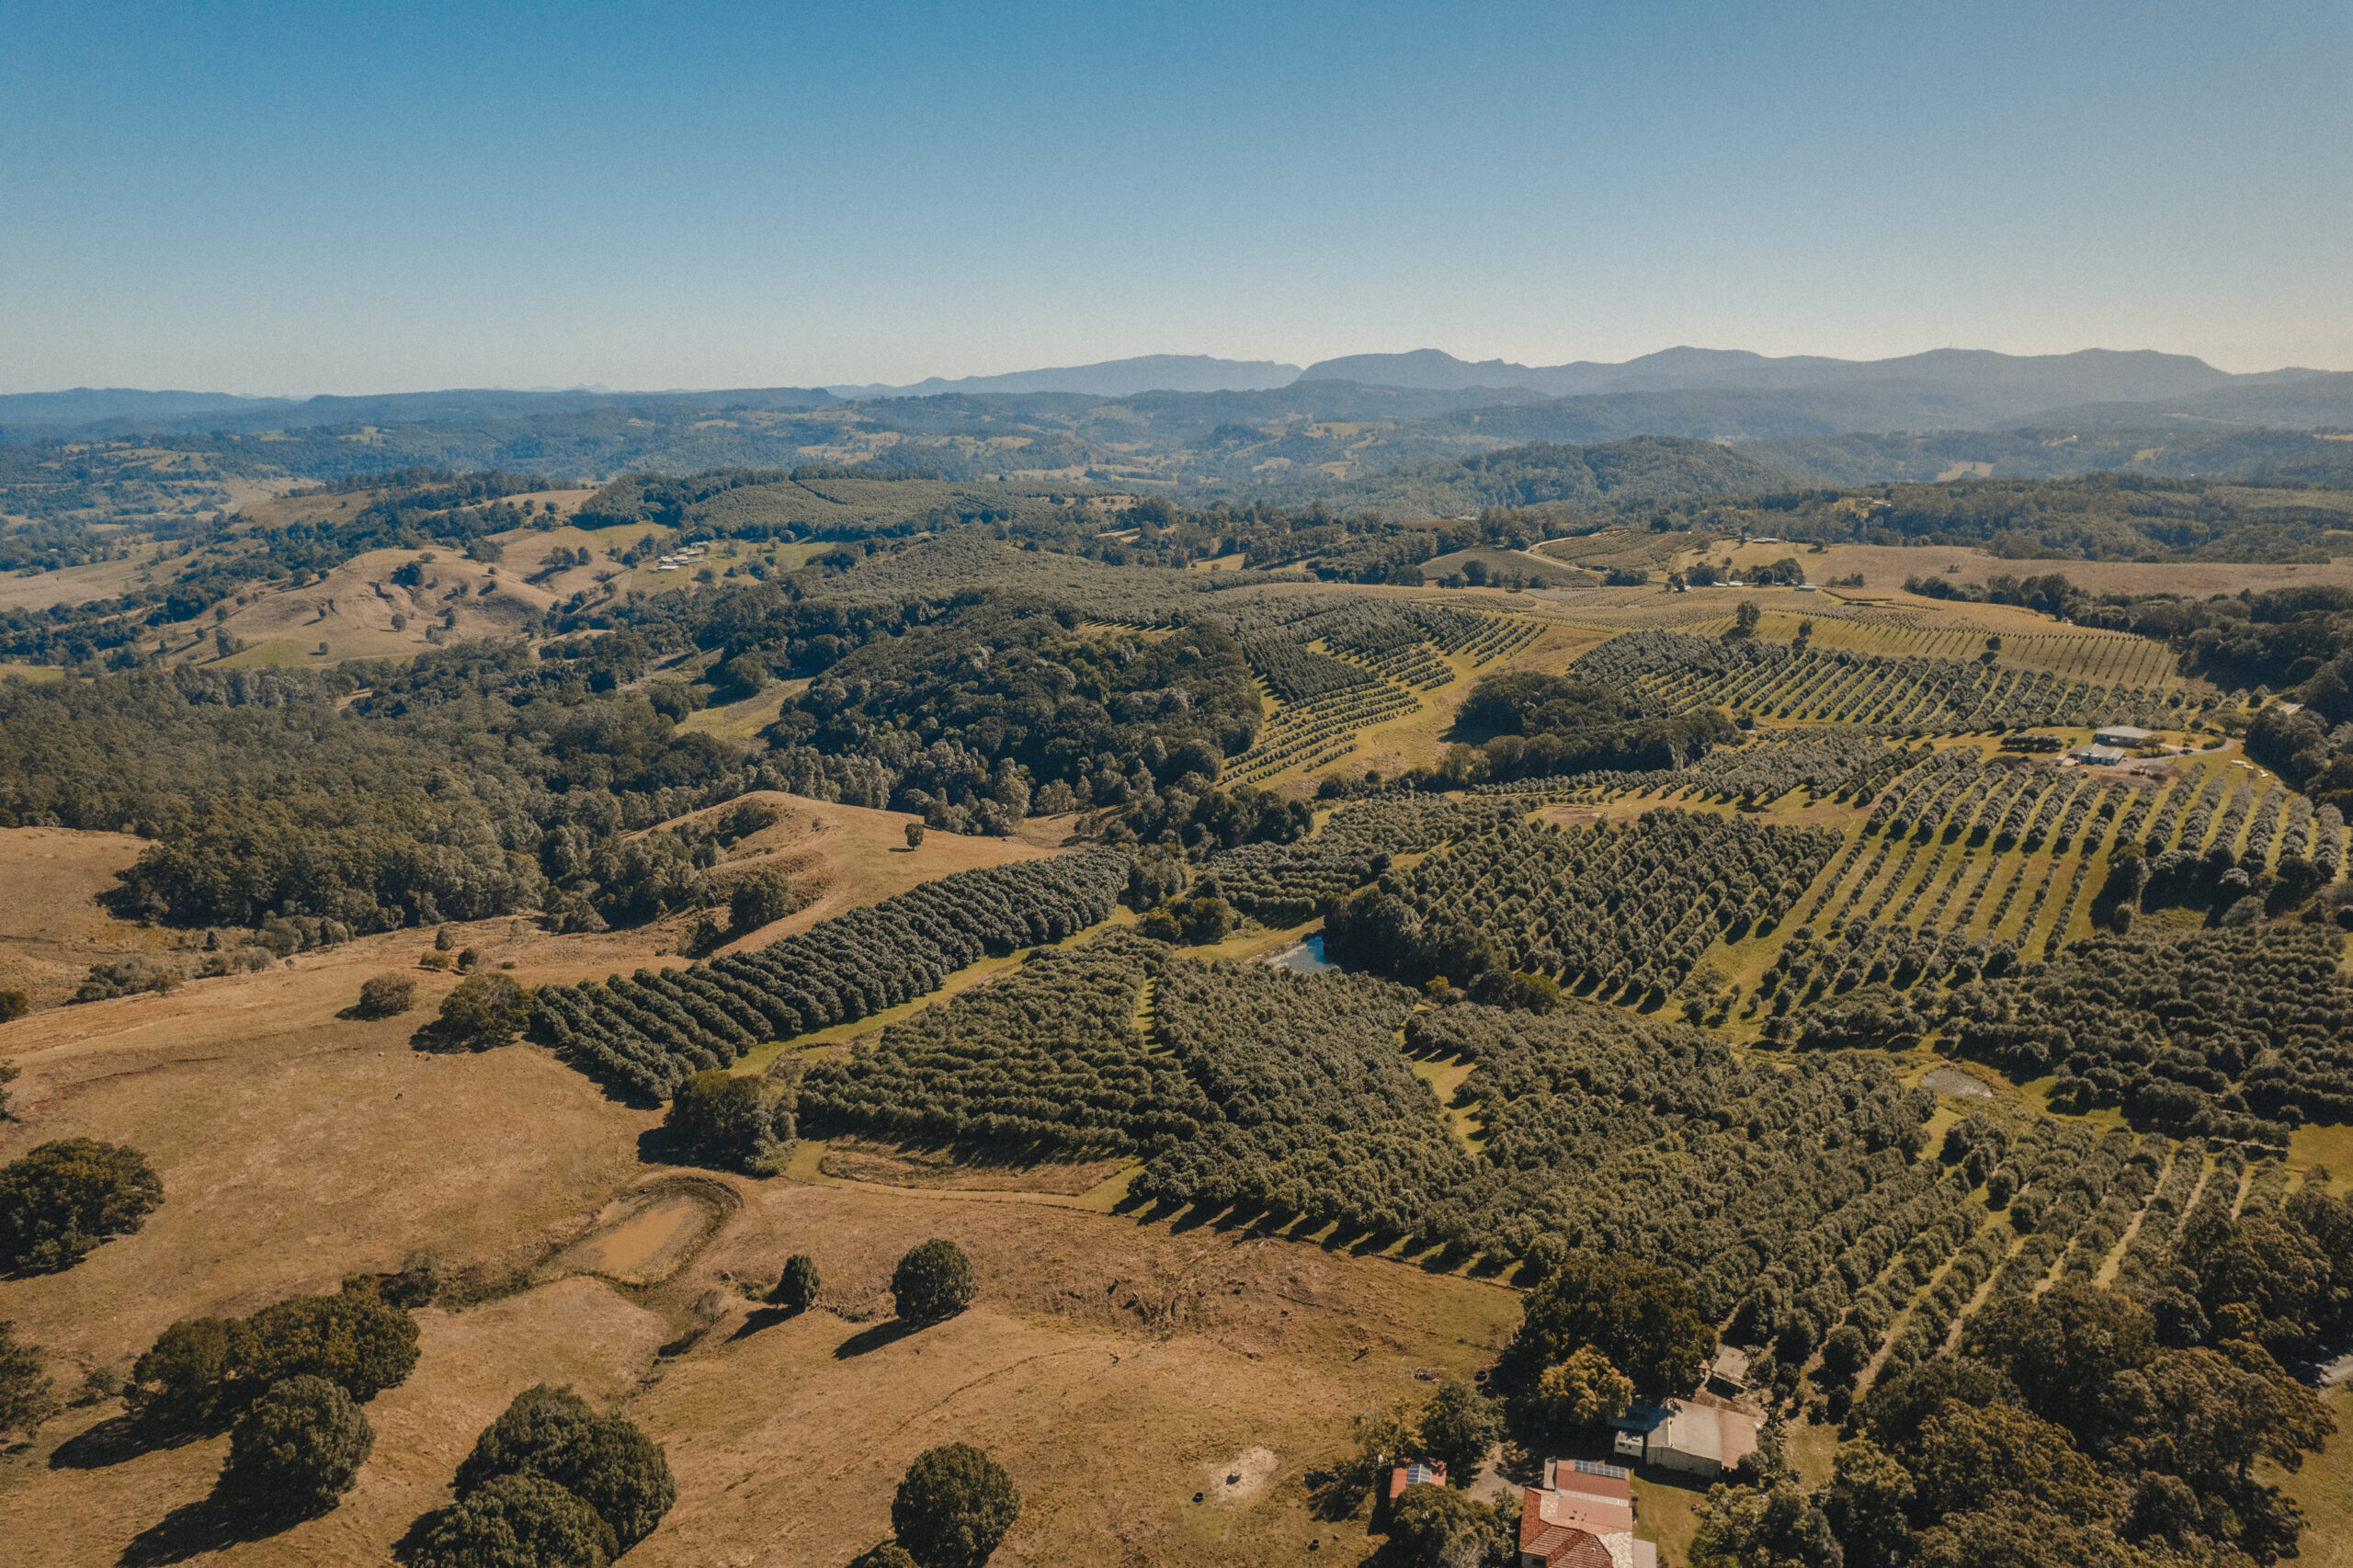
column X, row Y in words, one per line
column 550, row 1434
column 797, row 1290
column 516, row 1520
column 756, row 901
column 914, row 834
column 386, row 996
column 486, row 1010
column 733, row 1120
column 954, row 1508
column 298, row 1450
column 933, row 1282
column 63, row 1198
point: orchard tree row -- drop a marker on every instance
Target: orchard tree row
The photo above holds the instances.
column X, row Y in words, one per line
column 1049, row 1053
column 1283, row 884
column 1674, row 672
column 647, row 1034
column 1625, row 912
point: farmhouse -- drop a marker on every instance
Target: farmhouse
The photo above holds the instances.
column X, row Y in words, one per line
column 2125, row 735
column 2098, row 757
column 1582, row 1516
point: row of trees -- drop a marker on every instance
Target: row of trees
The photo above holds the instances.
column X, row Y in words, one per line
column 648, row 1034
column 1677, row 672
column 1626, row 912
column 1283, row 884
column 1049, row 1052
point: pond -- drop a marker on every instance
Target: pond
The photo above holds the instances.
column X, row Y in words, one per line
column 1305, row 958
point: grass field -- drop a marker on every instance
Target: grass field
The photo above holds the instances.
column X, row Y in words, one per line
column 1116, row 1367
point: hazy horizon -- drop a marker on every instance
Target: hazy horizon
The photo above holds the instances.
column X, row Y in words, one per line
column 268, row 201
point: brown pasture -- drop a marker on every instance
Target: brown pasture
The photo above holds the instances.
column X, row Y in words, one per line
column 1115, row 1366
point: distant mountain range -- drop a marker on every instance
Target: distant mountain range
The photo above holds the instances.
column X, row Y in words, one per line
column 1794, row 395
column 1112, row 377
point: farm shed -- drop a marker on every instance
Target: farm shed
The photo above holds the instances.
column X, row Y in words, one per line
column 1415, row 1473
column 1702, row 1436
column 2126, row 735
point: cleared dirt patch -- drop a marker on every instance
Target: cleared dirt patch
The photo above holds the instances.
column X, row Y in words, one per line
column 1956, row 1083
column 644, row 1238
column 906, row 1165
column 1245, row 1475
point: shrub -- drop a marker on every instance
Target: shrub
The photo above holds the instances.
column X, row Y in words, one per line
column 486, row 1010
column 756, row 901
column 129, row 977
column 28, row 1394
column 933, row 1282
column 796, row 1288
column 297, row 1448
column 14, row 1005
column 519, row 1521
column 386, row 996
column 732, row 1120
column 954, row 1506
column 63, row 1198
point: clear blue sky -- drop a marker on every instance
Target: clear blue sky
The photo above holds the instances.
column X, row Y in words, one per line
column 320, row 198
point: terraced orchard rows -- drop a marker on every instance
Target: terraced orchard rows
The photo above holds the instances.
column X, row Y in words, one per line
column 1288, row 1096
column 1381, row 657
column 649, row 1032
column 1625, row 912
column 1674, row 672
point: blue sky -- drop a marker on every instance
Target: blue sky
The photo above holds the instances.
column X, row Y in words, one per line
column 320, row 198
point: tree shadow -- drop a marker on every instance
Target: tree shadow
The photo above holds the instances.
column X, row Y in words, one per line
column 212, row 1524
column 119, row 1438
column 764, row 1317
column 411, row 1545
column 888, row 1332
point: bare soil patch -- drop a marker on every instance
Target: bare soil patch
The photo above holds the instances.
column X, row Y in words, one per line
column 1958, row 1083
column 648, row 1235
column 1246, row 1474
